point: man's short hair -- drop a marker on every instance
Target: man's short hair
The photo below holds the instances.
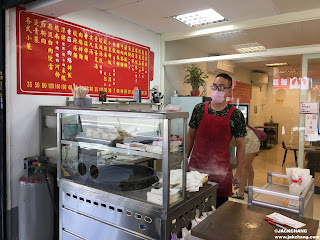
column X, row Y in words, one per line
column 226, row 76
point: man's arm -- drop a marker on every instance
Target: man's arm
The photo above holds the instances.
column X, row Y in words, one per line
column 190, row 140
column 195, row 119
column 241, row 151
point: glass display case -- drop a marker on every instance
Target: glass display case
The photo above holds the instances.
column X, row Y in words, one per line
column 120, row 153
column 48, row 133
column 118, row 171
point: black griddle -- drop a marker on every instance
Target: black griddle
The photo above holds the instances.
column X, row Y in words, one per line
column 126, row 177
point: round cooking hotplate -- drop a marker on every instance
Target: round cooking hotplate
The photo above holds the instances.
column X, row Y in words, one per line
column 123, row 177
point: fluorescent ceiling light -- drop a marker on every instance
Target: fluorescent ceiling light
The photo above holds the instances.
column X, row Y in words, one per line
column 229, row 34
column 199, row 18
column 249, row 48
column 277, row 64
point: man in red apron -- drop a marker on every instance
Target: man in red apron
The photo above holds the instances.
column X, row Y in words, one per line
column 212, row 125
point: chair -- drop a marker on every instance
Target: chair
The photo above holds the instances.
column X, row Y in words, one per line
column 285, row 153
column 312, row 159
column 271, row 136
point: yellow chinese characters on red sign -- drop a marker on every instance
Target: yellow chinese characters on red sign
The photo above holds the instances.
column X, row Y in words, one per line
column 54, row 54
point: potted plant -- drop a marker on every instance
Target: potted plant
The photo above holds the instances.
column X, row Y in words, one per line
column 195, row 76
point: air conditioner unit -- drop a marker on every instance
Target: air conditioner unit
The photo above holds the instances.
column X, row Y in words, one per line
column 259, row 78
column 220, row 67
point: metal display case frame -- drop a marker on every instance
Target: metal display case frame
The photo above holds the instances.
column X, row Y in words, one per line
column 48, row 135
column 90, row 213
column 272, row 195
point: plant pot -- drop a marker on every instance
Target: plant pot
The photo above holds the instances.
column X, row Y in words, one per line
column 195, row 93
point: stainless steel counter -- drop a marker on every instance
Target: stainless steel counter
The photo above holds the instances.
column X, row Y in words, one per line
column 276, row 196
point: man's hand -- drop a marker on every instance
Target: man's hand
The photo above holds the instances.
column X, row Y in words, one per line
column 241, row 149
column 236, row 181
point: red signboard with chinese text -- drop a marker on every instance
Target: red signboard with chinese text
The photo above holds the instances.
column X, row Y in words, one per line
column 291, row 83
column 241, row 93
column 281, row 83
column 54, row 54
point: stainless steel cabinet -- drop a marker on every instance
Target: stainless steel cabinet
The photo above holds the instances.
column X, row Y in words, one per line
column 117, row 179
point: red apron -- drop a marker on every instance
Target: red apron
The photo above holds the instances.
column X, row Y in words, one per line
column 210, row 152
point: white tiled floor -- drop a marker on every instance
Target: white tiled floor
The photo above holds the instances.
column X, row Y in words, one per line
column 270, row 160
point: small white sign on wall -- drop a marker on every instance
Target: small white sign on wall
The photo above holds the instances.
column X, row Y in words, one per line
column 309, row 107
column 311, row 124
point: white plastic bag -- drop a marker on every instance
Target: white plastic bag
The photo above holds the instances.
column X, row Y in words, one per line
column 185, row 234
column 303, row 176
column 173, row 108
column 193, row 223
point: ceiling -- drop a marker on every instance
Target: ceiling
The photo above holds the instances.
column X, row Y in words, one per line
column 285, row 35
column 271, row 37
column 157, row 15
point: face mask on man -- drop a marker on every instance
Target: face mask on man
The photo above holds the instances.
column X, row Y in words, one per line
column 217, row 96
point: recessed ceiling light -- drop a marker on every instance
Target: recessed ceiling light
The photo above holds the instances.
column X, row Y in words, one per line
column 277, row 64
column 249, row 48
column 199, row 18
column 288, row 72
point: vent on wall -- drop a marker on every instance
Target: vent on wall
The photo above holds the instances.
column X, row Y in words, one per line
column 220, row 67
column 259, row 78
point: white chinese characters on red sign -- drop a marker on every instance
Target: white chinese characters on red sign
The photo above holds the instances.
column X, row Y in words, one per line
column 276, row 82
column 279, row 83
column 311, row 124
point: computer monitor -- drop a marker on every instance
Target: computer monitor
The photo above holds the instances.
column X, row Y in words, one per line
column 244, row 108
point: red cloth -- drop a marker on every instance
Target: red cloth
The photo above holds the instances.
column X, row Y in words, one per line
column 210, row 152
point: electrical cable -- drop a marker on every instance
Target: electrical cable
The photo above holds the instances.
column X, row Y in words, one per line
column 51, row 197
